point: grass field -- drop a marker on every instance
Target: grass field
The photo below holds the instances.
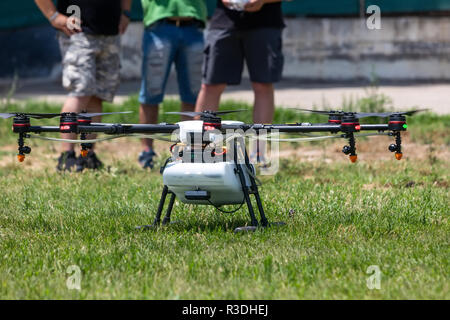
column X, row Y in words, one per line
column 341, row 218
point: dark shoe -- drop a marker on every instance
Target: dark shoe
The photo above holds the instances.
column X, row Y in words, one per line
column 66, row 161
column 81, row 163
column 92, row 162
column 146, row 159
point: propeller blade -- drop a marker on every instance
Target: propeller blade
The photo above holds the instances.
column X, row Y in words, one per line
column 191, row 114
column 6, row 115
column 373, row 114
column 229, row 111
column 54, row 115
column 412, row 112
column 387, row 114
column 31, row 115
column 90, row 115
column 196, row 114
column 360, row 115
column 319, row 111
column 43, row 115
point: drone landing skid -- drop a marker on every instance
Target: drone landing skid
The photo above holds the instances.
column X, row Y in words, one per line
column 253, row 229
column 166, row 219
column 247, row 191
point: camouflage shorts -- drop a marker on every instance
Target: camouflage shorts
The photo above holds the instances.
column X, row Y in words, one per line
column 91, row 65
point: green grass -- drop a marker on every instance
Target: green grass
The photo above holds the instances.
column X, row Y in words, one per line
column 341, row 219
column 337, row 230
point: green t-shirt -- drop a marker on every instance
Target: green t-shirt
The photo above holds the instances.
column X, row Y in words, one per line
column 155, row 10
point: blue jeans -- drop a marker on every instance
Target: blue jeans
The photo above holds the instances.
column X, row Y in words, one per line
column 164, row 44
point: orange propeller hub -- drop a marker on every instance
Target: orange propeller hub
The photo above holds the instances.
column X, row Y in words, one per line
column 353, row 158
column 398, row 155
column 21, row 157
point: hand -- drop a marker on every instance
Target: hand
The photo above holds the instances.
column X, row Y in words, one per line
column 67, row 25
column 254, row 5
column 227, row 3
column 123, row 24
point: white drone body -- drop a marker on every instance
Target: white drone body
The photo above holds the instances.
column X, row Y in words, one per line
column 220, row 180
column 204, row 183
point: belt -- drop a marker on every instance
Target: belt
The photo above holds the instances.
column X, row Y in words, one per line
column 183, row 22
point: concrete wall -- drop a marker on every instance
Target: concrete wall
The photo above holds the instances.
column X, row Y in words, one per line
column 406, row 48
column 29, row 52
column 318, row 49
column 329, row 49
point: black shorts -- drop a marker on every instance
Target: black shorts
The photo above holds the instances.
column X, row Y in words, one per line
column 226, row 50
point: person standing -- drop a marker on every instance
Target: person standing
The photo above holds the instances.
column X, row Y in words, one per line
column 173, row 35
column 253, row 36
column 90, row 51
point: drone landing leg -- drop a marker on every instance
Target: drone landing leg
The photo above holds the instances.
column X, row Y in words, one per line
column 264, row 221
column 254, row 187
column 157, row 220
column 254, row 190
column 240, row 170
column 253, row 220
column 166, row 219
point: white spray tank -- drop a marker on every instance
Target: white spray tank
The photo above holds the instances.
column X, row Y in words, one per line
column 205, row 183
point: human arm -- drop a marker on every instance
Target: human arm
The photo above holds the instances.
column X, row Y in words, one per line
column 124, row 20
column 57, row 20
column 256, row 5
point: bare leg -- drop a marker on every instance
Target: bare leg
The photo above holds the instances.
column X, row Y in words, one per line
column 187, row 107
column 73, row 104
column 148, row 113
column 209, row 97
column 264, row 107
column 263, row 110
column 95, row 106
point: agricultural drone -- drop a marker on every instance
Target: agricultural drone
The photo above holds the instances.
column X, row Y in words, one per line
column 209, row 163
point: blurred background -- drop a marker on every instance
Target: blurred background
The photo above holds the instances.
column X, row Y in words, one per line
column 327, row 45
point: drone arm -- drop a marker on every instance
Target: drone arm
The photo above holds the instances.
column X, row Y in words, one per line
column 303, row 128
column 37, row 129
column 300, row 128
column 128, row 128
column 110, row 128
column 169, row 128
column 374, row 127
column 149, row 128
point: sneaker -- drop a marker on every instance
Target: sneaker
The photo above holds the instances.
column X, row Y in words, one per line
column 146, row 159
column 66, row 161
column 80, row 164
column 90, row 162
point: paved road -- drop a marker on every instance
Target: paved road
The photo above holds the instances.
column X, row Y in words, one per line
column 289, row 93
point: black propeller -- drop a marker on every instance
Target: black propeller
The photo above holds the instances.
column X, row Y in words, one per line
column 53, row 115
column 91, row 115
column 31, row 115
column 193, row 114
column 330, row 113
column 360, row 115
column 388, row 114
